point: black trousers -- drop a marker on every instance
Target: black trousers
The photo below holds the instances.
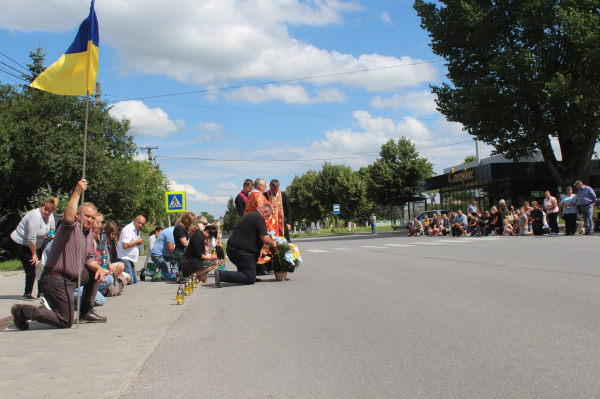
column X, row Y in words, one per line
column 24, row 254
column 58, row 291
column 553, row 221
column 570, row 223
column 245, row 262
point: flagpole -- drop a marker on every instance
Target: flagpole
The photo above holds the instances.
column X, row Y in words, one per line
column 87, row 102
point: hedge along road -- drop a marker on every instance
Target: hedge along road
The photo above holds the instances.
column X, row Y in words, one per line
column 391, row 316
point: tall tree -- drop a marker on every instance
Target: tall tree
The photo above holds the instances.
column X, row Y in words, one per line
column 339, row 184
column 399, row 171
column 231, row 217
column 522, row 73
column 304, row 198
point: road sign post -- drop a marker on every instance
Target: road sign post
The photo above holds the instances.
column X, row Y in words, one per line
column 175, row 201
column 336, row 212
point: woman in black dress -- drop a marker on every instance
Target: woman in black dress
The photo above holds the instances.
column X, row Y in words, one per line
column 196, row 259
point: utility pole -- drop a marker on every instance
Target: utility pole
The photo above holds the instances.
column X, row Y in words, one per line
column 150, row 158
column 98, row 95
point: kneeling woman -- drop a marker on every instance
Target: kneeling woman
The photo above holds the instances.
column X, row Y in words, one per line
column 196, row 259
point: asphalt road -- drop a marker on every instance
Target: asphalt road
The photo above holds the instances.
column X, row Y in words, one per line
column 399, row 317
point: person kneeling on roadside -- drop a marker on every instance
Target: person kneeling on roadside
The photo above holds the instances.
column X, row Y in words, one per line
column 416, row 229
column 245, row 246
column 62, row 269
column 161, row 255
column 197, row 259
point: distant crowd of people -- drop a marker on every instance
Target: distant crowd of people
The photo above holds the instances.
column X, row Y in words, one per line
column 101, row 257
column 531, row 219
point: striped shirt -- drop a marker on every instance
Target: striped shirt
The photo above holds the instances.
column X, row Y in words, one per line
column 64, row 254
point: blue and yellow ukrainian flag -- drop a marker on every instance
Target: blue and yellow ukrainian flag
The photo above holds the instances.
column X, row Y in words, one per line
column 76, row 71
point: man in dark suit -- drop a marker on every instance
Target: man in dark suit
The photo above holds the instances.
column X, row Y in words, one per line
column 242, row 197
column 281, row 208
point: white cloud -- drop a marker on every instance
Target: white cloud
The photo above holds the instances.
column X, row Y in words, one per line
column 419, row 103
column 289, row 94
column 210, row 126
column 145, row 121
column 374, row 133
column 213, row 42
column 226, row 189
column 385, row 17
column 195, row 196
column 191, row 194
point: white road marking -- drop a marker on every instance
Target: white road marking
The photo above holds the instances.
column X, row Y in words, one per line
column 316, row 250
column 430, row 243
column 398, row 245
column 371, row 246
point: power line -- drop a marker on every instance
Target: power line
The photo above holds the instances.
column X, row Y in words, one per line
column 277, row 112
column 9, row 78
column 14, row 61
column 299, row 160
column 284, row 81
column 10, row 67
column 11, row 74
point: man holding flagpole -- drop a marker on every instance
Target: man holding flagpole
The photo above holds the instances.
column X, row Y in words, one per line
column 74, row 74
column 62, row 270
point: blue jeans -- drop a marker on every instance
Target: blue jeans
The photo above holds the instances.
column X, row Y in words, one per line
column 130, row 269
column 161, row 264
column 99, row 300
column 588, row 223
column 373, row 228
column 245, row 262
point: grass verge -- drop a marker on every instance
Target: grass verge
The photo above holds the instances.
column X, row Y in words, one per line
column 13, row 264
column 328, row 232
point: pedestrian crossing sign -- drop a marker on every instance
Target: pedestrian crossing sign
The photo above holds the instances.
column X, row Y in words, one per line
column 175, row 201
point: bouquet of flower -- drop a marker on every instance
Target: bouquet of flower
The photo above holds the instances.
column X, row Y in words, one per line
column 287, row 254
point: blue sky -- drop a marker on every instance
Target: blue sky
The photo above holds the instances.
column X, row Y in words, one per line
column 156, row 47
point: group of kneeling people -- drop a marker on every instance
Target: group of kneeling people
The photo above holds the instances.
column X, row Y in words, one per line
column 191, row 247
column 529, row 220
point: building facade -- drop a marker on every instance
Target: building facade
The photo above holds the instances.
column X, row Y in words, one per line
column 495, row 178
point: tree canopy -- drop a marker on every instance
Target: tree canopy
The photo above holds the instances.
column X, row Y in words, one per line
column 231, row 217
column 399, row 171
column 522, row 72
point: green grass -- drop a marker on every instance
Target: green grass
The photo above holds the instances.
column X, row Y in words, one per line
column 13, row 264
column 327, row 232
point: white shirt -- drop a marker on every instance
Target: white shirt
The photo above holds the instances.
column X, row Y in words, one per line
column 32, row 229
column 128, row 234
column 151, row 241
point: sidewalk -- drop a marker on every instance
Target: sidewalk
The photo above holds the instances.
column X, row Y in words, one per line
column 93, row 361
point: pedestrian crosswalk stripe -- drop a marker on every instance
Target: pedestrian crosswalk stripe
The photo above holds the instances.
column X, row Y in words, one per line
column 316, row 250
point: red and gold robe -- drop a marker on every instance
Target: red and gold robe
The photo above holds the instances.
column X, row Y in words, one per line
column 276, row 203
column 256, row 199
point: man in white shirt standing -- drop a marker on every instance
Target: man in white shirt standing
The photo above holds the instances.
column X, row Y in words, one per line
column 472, row 209
column 128, row 249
